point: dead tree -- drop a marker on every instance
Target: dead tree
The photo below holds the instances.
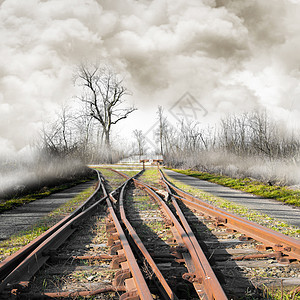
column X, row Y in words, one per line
column 141, row 142
column 59, row 137
column 104, row 93
column 162, row 130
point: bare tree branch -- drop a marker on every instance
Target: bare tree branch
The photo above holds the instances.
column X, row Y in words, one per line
column 103, row 92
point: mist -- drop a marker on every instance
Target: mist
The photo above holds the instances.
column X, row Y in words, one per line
column 230, row 55
column 275, row 171
column 22, row 175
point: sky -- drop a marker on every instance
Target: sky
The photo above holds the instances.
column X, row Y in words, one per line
column 230, row 56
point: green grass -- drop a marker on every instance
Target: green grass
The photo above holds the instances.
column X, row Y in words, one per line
column 151, row 176
column 15, row 202
column 248, row 185
column 144, row 202
column 21, row 239
column 130, row 172
column 278, row 294
column 241, row 210
column 113, row 179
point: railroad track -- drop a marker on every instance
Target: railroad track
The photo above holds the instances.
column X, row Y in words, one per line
column 141, row 266
column 267, row 258
column 237, row 244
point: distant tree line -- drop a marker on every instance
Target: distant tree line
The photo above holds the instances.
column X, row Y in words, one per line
column 249, row 144
column 248, row 134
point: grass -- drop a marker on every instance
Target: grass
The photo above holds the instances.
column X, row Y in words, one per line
column 248, row 185
column 15, row 202
column 21, row 239
column 264, row 292
column 143, row 202
column 129, row 172
column 113, row 179
column 241, row 210
column 278, row 294
column 151, row 176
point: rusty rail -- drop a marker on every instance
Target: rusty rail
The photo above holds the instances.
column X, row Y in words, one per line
column 9, row 266
column 166, row 288
column 32, row 263
column 140, row 284
column 20, row 275
column 206, row 284
column 201, row 274
column 142, row 248
column 70, row 295
column 270, row 238
column 211, row 283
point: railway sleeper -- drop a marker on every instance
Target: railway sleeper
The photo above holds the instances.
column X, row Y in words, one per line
column 283, row 258
column 123, row 278
column 110, row 227
column 221, row 220
column 132, row 295
column 263, row 247
column 285, row 249
column 178, row 250
column 218, row 224
column 117, row 260
column 115, row 247
column 168, row 223
column 192, row 277
column 276, row 255
column 120, row 277
column 64, row 294
column 244, row 237
column 101, row 257
column 165, row 217
column 278, row 247
column 112, row 238
column 230, row 230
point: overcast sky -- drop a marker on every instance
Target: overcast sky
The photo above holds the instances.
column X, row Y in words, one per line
column 231, row 55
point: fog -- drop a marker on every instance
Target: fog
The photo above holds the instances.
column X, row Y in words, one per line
column 276, row 171
column 232, row 56
column 35, row 172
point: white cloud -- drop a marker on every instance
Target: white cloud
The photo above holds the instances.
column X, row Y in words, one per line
column 227, row 53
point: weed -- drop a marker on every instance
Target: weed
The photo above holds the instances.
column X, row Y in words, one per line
column 276, row 192
column 15, row 202
column 151, row 177
column 243, row 211
column 114, row 181
column 17, row 241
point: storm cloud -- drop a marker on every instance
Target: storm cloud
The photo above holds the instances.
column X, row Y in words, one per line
column 231, row 55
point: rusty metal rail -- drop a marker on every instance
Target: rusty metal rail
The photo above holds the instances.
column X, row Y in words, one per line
column 22, row 273
column 138, row 287
column 270, row 238
column 201, row 274
column 140, row 284
column 211, row 283
column 18, row 277
column 166, row 290
column 15, row 265
column 142, row 248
